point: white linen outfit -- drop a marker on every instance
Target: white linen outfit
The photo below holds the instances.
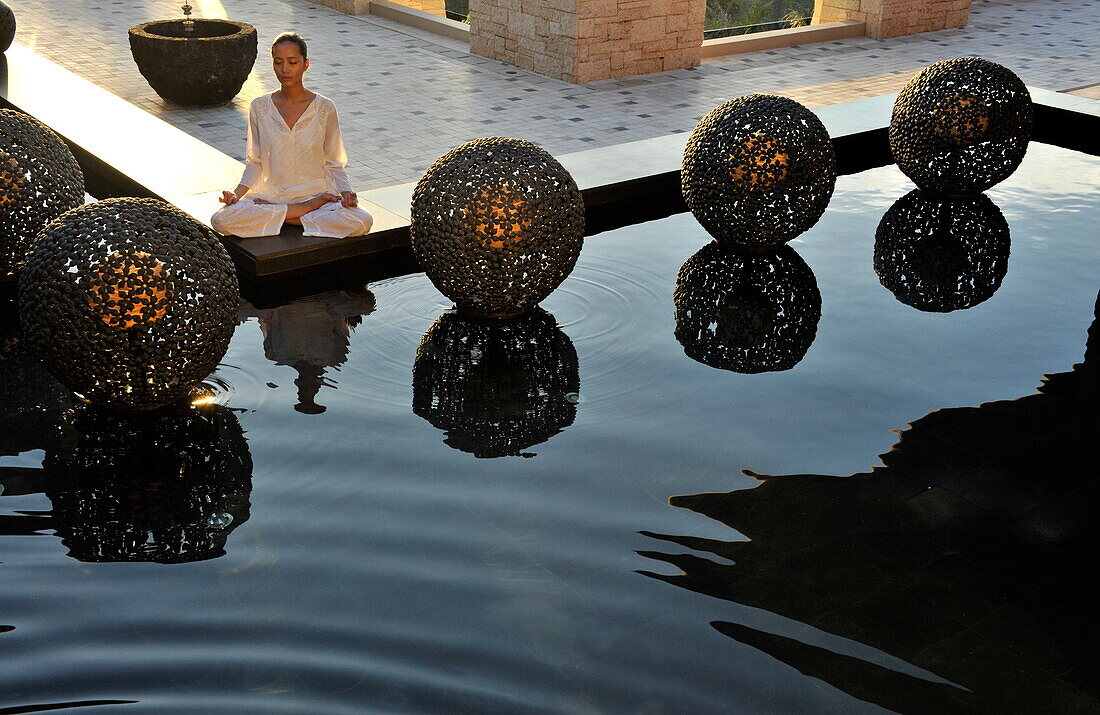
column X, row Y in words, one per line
column 288, row 165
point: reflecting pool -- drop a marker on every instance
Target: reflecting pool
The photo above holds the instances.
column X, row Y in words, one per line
column 384, row 505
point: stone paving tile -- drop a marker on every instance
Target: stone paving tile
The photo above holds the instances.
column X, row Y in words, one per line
column 406, row 96
column 1092, row 91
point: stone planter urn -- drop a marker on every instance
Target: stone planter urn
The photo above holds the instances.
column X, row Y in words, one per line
column 194, row 63
column 7, row 26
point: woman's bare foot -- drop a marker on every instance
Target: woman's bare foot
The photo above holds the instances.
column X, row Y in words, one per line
column 294, row 212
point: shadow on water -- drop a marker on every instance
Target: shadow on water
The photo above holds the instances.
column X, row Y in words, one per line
column 311, row 335
column 940, row 255
column 746, row 312
column 167, row 487
column 970, row 554
column 496, row 388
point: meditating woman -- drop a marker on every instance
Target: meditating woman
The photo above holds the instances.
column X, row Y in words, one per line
column 294, row 171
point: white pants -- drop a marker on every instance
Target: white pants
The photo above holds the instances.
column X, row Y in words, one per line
column 248, row 219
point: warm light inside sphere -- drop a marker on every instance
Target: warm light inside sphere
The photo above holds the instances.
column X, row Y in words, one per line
column 12, row 182
column 499, row 216
column 130, row 289
column 760, row 163
column 962, row 118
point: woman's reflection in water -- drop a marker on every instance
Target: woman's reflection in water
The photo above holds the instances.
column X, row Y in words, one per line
column 969, row 554
column 496, row 387
column 746, row 312
column 312, row 335
column 939, row 255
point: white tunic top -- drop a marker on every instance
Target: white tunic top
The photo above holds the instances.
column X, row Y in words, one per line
column 287, row 165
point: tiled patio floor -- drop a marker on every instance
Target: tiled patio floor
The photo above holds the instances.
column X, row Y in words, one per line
column 406, row 96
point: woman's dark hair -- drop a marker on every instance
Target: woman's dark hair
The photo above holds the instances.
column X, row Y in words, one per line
column 292, row 37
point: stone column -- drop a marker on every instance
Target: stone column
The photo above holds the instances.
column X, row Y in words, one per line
column 893, row 18
column 587, row 40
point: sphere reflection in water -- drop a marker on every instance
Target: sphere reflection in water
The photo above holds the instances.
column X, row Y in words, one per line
column 939, row 255
column 746, row 312
column 31, row 400
column 496, row 388
column 167, row 487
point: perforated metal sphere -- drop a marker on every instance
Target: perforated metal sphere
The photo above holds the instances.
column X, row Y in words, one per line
column 497, row 225
column 746, row 312
column 129, row 302
column 168, row 487
column 758, row 170
column 961, row 126
column 938, row 254
column 39, row 181
column 496, row 388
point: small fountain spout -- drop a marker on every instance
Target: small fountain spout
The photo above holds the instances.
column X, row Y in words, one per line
column 188, row 23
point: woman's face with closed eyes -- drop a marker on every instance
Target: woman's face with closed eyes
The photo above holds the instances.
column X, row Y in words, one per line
column 289, row 65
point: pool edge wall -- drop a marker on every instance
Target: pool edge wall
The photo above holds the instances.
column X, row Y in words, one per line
column 622, row 184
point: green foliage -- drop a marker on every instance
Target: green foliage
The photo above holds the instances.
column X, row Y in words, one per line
column 724, row 17
column 737, row 17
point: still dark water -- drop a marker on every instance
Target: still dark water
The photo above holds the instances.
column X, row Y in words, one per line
column 376, row 537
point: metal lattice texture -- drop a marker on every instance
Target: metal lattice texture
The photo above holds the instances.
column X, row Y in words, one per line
column 496, row 388
column 7, row 26
column 129, row 302
column 746, row 312
column 961, row 126
column 497, row 224
column 939, row 255
column 758, row 170
column 39, row 181
column 31, row 400
column 168, row 488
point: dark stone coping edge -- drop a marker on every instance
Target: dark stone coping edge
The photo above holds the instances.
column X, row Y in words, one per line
column 243, row 28
column 622, row 184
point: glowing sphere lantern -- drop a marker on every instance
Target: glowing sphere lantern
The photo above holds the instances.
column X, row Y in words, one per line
column 39, row 181
column 746, row 312
column 961, row 126
column 129, row 302
column 758, row 171
column 497, row 225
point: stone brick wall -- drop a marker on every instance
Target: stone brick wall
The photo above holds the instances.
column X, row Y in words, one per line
column 533, row 34
column 627, row 37
column 588, row 40
column 893, row 18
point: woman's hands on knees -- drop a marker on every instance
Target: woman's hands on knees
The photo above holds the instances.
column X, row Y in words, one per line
column 231, row 197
